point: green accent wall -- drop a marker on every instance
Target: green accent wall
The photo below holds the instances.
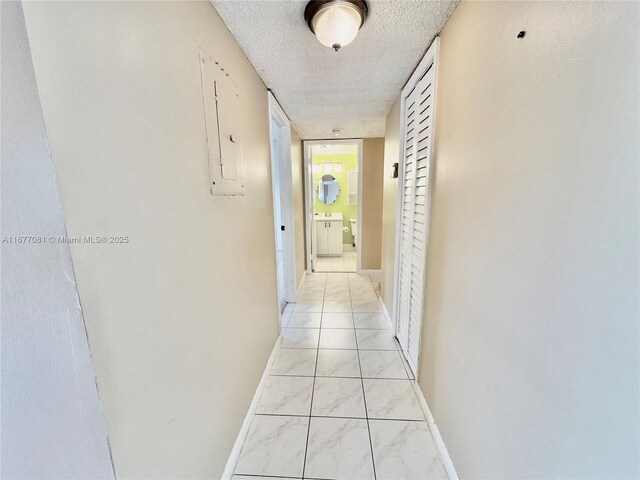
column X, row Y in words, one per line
column 341, row 205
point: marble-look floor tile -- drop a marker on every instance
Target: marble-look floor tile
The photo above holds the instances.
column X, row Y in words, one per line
column 381, row 364
column 313, row 282
column 286, row 396
column 338, row 338
column 361, row 288
column 338, row 363
column 356, row 277
column 253, row 477
column 405, row 451
column 337, row 320
column 304, row 320
column 275, row 445
column 315, row 277
column 340, row 297
column 392, row 399
column 375, row 340
column 312, row 293
column 369, row 298
column 308, row 306
column 337, row 292
column 338, row 448
column 312, row 287
column 373, row 321
column 300, row 338
column 338, row 397
column 366, row 306
column 338, row 276
column 338, row 281
column 295, row 361
column 337, row 306
column 338, row 284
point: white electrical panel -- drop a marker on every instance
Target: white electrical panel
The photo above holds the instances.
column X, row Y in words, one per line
column 224, row 139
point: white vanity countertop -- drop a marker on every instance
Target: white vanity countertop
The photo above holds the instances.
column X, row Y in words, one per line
column 321, row 217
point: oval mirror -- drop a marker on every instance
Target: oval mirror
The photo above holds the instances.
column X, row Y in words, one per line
column 328, row 189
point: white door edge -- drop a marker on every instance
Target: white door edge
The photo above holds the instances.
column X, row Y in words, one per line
column 282, row 191
column 430, row 58
column 308, row 197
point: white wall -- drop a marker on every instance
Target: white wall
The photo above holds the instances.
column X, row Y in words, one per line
column 52, row 426
column 529, row 356
column 182, row 319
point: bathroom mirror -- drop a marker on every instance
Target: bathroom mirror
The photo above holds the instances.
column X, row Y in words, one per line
column 328, row 189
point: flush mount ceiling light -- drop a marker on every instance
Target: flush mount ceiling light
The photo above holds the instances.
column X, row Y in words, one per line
column 335, row 22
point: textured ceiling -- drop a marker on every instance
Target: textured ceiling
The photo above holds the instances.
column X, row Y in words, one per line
column 320, row 89
column 334, row 149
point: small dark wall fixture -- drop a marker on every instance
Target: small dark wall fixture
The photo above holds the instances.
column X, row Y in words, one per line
column 394, row 170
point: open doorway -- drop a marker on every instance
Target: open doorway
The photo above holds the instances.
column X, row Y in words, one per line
column 333, row 207
column 280, row 135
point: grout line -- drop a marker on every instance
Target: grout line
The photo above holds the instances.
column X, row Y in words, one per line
column 364, row 396
column 343, row 417
column 313, row 388
column 262, row 476
column 342, row 376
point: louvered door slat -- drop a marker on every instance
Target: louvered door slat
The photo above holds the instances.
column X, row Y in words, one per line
column 414, row 213
column 404, row 302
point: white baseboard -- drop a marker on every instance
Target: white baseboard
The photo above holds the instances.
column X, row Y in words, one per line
column 244, row 429
column 348, row 247
column 387, row 316
column 442, row 448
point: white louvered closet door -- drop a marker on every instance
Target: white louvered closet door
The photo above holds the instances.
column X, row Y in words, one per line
column 418, row 127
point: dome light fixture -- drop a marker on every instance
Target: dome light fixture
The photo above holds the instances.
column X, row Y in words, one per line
column 335, row 22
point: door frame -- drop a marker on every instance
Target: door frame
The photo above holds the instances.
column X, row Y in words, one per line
column 430, row 58
column 308, row 195
column 282, row 191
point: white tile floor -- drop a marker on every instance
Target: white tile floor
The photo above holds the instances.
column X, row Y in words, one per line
column 339, row 402
column 344, row 263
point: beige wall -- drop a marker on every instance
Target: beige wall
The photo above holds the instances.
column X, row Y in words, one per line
column 181, row 320
column 529, row 357
column 371, row 198
column 297, row 178
column 389, row 204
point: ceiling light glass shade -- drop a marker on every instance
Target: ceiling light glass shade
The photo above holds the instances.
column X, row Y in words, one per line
column 337, row 25
column 335, row 22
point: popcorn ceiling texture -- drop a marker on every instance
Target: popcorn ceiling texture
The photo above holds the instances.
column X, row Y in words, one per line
column 320, row 89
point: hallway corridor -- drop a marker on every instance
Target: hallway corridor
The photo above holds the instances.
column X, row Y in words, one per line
column 339, row 401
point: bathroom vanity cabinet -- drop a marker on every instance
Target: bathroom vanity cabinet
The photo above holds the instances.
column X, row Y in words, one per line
column 329, row 235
